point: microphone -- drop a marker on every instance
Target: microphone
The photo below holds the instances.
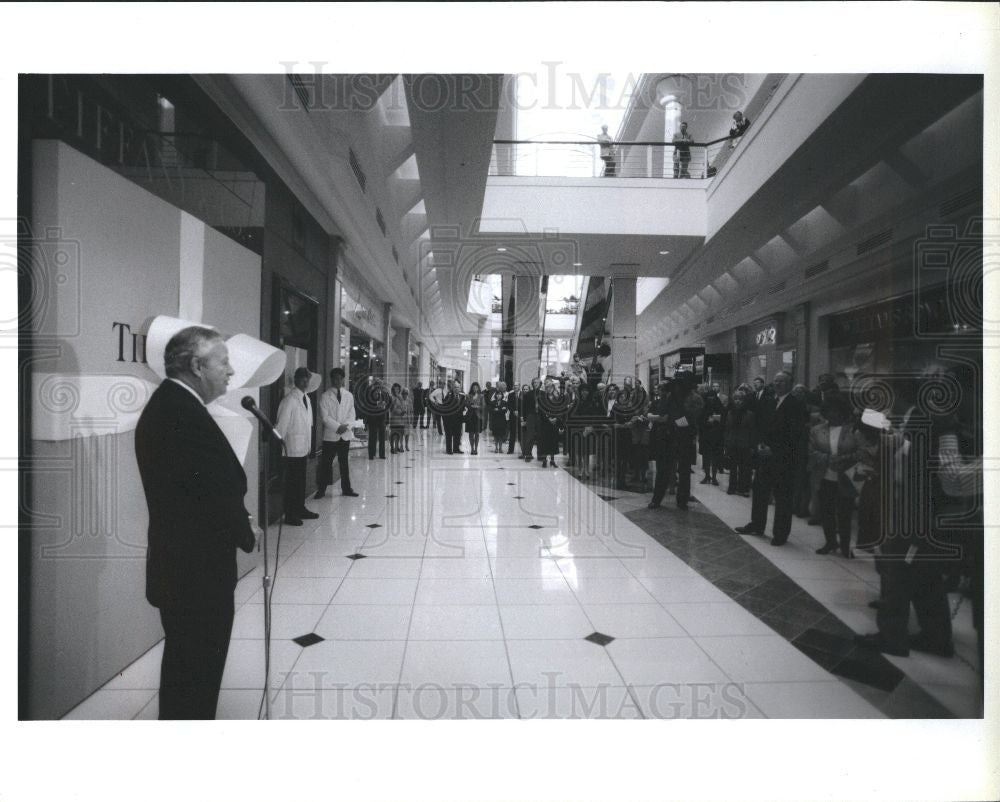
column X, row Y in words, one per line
column 251, row 406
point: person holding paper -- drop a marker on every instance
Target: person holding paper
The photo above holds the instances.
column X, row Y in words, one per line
column 336, row 408
column 194, row 486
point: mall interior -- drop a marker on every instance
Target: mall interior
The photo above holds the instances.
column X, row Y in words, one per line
column 451, row 231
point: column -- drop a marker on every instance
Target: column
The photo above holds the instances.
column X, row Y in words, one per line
column 527, row 327
column 424, row 362
column 387, row 340
column 623, row 339
column 403, row 336
column 671, row 125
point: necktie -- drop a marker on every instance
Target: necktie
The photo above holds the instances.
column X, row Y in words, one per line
column 338, row 396
column 305, row 402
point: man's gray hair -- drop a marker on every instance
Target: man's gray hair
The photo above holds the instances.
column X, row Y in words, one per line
column 185, row 345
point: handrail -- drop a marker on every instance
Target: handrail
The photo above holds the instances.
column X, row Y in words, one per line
column 613, row 143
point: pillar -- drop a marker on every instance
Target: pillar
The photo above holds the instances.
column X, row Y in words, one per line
column 527, row 327
column 403, row 336
column 424, row 365
column 623, row 338
column 387, row 341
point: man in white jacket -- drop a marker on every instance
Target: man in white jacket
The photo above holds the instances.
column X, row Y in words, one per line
column 336, row 408
column 295, row 417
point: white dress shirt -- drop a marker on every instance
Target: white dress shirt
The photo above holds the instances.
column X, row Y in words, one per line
column 336, row 414
column 295, row 423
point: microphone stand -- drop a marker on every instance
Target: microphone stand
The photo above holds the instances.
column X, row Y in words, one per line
column 265, row 436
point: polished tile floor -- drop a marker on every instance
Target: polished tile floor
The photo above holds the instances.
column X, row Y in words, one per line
column 484, row 587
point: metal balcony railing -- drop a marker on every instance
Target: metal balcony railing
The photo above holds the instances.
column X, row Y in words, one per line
column 590, row 159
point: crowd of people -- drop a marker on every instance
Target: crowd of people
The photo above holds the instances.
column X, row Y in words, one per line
column 793, row 451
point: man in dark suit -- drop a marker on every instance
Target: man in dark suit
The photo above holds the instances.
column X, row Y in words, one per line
column 779, row 421
column 452, row 408
column 194, row 486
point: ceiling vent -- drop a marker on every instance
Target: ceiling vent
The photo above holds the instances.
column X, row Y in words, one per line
column 356, row 168
column 774, row 289
column 301, row 90
column 710, row 320
column 748, row 301
column 970, row 196
column 697, row 326
column 815, row 270
column 395, row 254
column 874, row 242
column 380, row 220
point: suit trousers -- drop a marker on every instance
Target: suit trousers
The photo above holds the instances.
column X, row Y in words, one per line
column 774, row 475
column 529, row 434
column 514, row 432
column 452, row 433
column 376, row 436
column 437, row 423
column 920, row 583
column 671, row 459
column 324, row 470
column 194, row 657
column 295, row 486
column 836, row 512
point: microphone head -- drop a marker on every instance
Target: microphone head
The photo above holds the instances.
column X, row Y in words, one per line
column 248, row 402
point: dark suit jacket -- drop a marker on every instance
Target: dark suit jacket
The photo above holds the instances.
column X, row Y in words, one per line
column 780, row 428
column 194, row 487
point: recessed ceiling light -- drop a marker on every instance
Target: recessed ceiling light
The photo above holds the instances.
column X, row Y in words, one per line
column 577, row 264
column 501, row 250
column 664, row 253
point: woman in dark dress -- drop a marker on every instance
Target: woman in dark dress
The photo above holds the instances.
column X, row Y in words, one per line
column 498, row 411
column 475, row 415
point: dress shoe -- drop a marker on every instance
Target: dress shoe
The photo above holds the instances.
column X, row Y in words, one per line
column 920, row 644
column 653, row 505
column 319, row 494
column 293, row 522
column 827, row 548
column 847, row 554
column 875, row 604
column 875, row 642
column 814, row 522
column 778, row 541
column 730, row 492
column 681, row 505
column 693, row 500
column 308, row 514
column 348, row 493
column 715, row 481
column 749, row 529
column 705, row 481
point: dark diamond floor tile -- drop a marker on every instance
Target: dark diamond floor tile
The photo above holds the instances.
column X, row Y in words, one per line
column 308, row 640
column 535, row 526
column 373, row 526
column 511, row 484
column 391, row 496
column 599, row 638
column 357, row 556
column 518, row 497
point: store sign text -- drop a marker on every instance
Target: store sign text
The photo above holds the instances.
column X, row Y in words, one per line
column 768, row 336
